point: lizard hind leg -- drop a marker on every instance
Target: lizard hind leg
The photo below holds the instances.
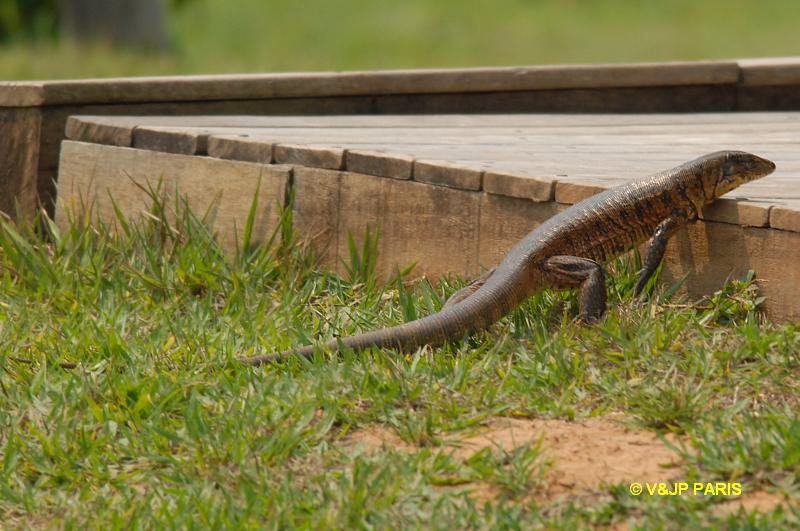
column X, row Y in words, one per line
column 572, row 271
column 467, row 290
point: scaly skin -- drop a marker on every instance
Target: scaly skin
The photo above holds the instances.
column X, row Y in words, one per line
column 565, row 250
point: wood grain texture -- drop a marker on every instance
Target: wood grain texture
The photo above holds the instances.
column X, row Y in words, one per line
column 170, row 140
column 445, row 173
column 19, row 159
column 770, row 71
column 747, row 213
column 90, row 175
column 434, row 227
column 768, row 97
column 315, row 215
column 452, row 122
column 98, row 130
column 236, row 147
column 540, row 189
column 569, row 193
column 314, row 157
column 381, row 164
column 292, row 85
column 697, row 98
column 504, row 221
column 785, row 218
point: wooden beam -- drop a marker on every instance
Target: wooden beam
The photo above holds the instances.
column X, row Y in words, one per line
column 19, row 160
column 373, row 83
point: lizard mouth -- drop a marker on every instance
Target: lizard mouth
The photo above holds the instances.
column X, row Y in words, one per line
column 757, row 167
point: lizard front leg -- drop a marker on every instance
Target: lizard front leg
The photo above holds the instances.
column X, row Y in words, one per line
column 658, row 243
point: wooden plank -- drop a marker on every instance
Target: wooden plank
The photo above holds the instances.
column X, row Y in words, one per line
column 785, row 217
column 770, row 71
column 596, row 141
column 604, row 134
column 744, row 212
column 380, row 164
column 199, row 180
column 667, row 99
column 21, row 94
column 90, row 174
column 316, row 211
column 96, row 130
column 432, row 226
column 445, row 173
column 569, row 193
column 19, row 158
column 504, row 221
column 326, row 158
column 169, row 140
column 572, row 139
column 444, row 122
column 774, row 186
column 767, row 98
column 240, row 148
column 230, row 87
column 515, row 185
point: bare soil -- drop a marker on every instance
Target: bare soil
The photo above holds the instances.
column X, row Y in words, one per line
column 583, row 457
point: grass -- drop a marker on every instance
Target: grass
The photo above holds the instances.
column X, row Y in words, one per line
column 210, row 36
column 148, row 431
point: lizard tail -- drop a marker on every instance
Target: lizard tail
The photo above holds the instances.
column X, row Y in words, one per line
column 478, row 311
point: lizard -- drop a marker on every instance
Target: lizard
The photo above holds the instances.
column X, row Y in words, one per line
column 566, row 251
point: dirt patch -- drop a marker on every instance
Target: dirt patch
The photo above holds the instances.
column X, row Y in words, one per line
column 374, row 438
column 582, row 456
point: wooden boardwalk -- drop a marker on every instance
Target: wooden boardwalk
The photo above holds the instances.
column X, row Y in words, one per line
column 451, row 193
column 542, row 157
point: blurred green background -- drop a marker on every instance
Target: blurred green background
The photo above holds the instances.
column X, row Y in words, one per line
column 219, row 36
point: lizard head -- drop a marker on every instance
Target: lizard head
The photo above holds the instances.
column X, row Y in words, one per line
column 726, row 170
